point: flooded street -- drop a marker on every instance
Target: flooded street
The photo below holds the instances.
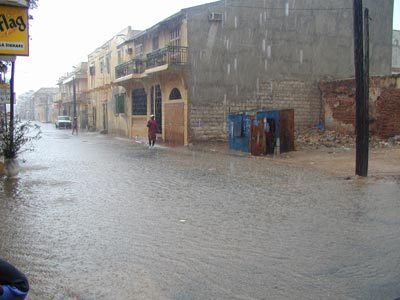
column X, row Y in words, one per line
column 96, row 217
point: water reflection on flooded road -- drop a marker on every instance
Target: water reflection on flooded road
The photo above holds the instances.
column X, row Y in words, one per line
column 94, row 217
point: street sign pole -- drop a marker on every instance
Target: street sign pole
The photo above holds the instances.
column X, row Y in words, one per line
column 12, row 105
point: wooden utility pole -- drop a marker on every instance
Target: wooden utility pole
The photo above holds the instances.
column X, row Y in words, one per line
column 366, row 119
column 362, row 122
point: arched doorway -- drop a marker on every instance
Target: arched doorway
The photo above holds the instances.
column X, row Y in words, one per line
column 175, row 119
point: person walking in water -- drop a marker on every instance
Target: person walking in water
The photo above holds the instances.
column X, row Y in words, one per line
column 152, row 131
column 13, row 284
column 75, row 125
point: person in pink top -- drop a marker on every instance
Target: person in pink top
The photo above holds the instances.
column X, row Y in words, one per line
column 152, row 131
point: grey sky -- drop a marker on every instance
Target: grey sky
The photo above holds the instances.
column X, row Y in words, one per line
column 65, row 32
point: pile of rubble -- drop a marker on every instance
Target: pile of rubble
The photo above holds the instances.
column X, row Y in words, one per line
column 316, row 138
column 391, row 142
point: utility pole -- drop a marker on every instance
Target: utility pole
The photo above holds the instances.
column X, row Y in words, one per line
column 12, row 104
column 362, row 122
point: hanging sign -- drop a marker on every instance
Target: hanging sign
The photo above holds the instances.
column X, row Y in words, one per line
column 14, row 35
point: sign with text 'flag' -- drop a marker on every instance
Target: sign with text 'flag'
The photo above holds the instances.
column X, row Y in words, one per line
column 14, row 31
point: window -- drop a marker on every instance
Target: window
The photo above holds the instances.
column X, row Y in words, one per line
column 120, row 104
column 175, row 94
column 139, row 102
column 108, row 58
column 102, row 66
column 155, row 43
column 119, row 56
column 139, row 50
column 175, row 37
column 92, row 70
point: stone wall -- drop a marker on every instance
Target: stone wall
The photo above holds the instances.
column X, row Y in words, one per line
column 303, row 97
column 209, row 121
column 384, row 105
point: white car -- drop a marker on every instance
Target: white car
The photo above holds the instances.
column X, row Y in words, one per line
column 64, row 122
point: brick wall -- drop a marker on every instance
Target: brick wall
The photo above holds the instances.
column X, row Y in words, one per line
column 388, row 113
column 384, row 105
column 208, row 119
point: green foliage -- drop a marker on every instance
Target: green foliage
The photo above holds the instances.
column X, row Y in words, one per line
column 33, row 3
column 3, row 67
column 23, row 135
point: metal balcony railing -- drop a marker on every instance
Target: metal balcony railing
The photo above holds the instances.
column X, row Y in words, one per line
column 172, row 55
column 134, row 66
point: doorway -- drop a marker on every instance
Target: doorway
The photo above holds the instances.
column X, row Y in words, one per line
column 156, row 106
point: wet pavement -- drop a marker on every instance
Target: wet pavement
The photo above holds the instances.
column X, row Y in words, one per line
column 96, row 217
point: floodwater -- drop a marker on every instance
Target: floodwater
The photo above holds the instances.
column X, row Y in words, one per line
column 96, row 217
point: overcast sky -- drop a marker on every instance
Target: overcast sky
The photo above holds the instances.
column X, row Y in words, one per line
column 63, row 33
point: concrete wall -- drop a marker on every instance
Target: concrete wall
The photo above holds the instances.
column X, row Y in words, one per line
column 304, row 97
column 384, row 105
column 396, row 51
column 230, row 60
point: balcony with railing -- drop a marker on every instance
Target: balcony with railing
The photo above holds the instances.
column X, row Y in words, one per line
column 134, row 66
column 171, row 55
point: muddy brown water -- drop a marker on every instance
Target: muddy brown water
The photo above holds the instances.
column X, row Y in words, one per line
column 95, row 217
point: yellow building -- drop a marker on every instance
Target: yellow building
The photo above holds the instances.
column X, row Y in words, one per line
column 101, row 73
column 151, row 79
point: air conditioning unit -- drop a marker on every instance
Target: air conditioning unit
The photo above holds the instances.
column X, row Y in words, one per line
column 215, row 17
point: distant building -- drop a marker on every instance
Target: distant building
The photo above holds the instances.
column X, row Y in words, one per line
column 43, row 101
column 24, row 105
column 396, row 52
column 64, row 103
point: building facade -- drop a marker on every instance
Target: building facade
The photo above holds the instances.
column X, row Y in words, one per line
column 194, row 68
column 72, row 97
column 43, row 101
column 251, row 55
column 24, row 104
column 101, row 73
column 152, row 80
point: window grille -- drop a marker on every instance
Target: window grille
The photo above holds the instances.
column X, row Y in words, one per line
column 175, row 37
column 175, row 94
column 139, row 102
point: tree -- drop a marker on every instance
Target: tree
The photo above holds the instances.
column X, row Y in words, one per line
column 33, row 3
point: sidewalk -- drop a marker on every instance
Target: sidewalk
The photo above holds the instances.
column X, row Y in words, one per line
column 335, row 161
column 338, row 162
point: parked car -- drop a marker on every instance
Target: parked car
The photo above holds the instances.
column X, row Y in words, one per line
column 64, row 122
